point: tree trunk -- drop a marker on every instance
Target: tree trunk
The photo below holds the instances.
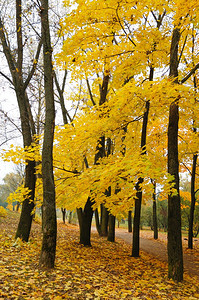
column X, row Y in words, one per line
column 97, row 222
column 28, row 130
column 111, row 228
column 70, row 217
column 155, row 223
column 136, row 220
column 138, row 200
column 130, row 221
column 85, row 219
column 49, row 219
column 26, row 217
column 175, row 255
column 63, row 210
column 104, row 220
column 193, row 201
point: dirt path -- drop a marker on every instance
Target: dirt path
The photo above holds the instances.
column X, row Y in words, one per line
column 158, row 249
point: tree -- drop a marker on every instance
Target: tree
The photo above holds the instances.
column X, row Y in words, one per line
column 193, row 202
column 155, row 222
column 49, row 221
column 11, row 182
column 20, row 83
column 175, row 255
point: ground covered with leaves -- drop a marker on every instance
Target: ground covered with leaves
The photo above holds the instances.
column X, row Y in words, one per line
column 104, row 271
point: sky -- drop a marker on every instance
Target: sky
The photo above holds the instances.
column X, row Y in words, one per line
column 8, row 104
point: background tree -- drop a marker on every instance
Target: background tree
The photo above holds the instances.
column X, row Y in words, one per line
column 20, row 82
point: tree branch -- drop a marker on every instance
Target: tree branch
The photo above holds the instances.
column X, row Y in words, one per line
column 34, row 65
column 6, row 77
column 190, row 73
column 90, row 93
column 7, row 51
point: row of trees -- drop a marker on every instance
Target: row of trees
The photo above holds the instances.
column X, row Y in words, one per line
column 133, row 70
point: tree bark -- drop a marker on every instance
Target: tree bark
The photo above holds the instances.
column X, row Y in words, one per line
column 111, row 228
column 63, row 210
column 193, row 201
column 26, row 217
column 193, row 179
column 97, row 222
column 104, row 220
column 175, row 255
column 138, row 200
column 85, row 219
column 136, row 220
column 130, row 221
column 155, row 222
column 49, row 221
column 70, row 217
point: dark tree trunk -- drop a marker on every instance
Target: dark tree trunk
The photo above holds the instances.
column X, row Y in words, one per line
column 65, row 115
column 193, row 201
column 155, row 222
column 102, row 225
column 49, row 220
column 136, row 220
column 130, row 221
column 193, row 179
column 104, row 220
column 111, row 228
column 70, row 217
column 26, row 217
column 138, row 200
column 24, row 226
column 85, row 219
column 18, row 205
column 97, row 222
column 63, row 210
column 175, row 255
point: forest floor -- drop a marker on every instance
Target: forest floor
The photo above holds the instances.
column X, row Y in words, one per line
column 104, row 271
column 158, row 248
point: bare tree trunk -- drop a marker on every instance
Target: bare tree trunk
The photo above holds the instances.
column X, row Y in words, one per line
column 26, row 217
column 193, row 179
column 175, row 255
column 70, row 217
column 63, row 210
column 97, row 222
column 49, row 220
column 155, row 222
column 193, row 201
column 130, row 221
column 85, row 219
column 138, row 200
column 104, row 221
column 111, row 228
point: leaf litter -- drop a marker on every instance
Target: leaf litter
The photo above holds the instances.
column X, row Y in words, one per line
column 104, row 271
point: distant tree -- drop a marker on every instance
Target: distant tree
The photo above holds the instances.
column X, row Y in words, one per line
column 11, row 182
